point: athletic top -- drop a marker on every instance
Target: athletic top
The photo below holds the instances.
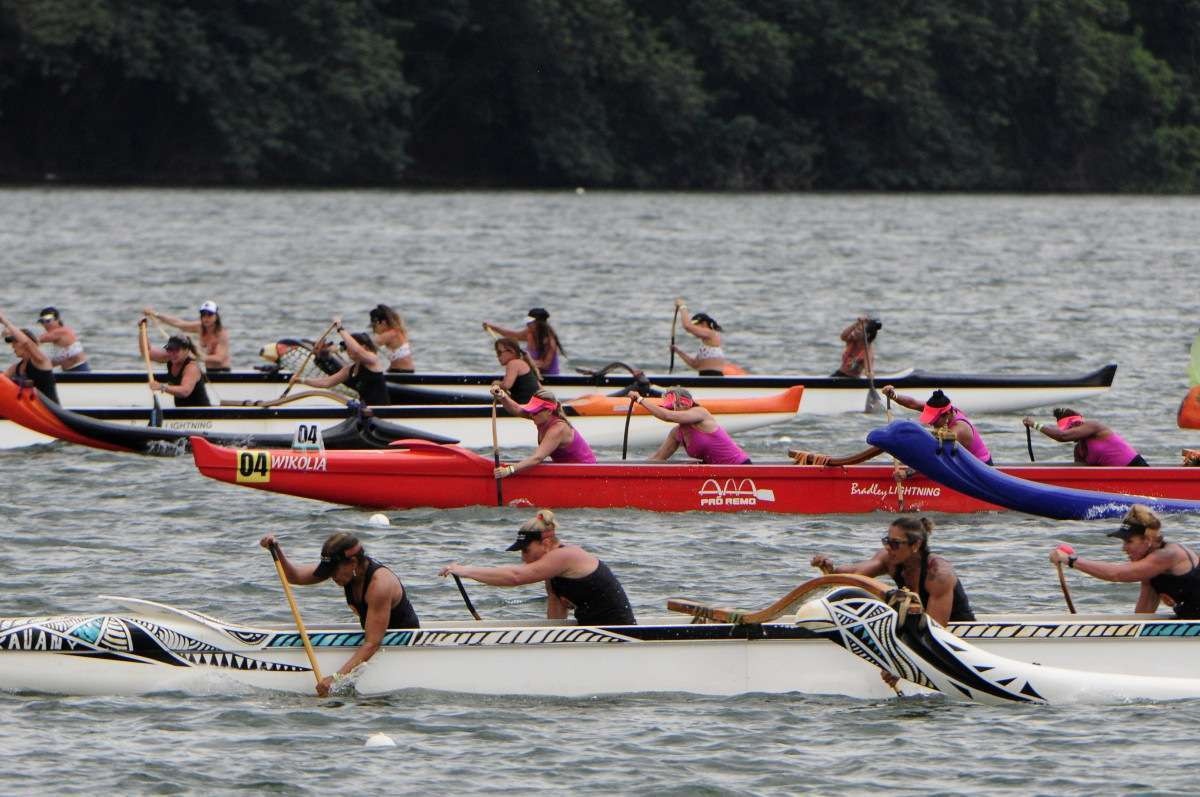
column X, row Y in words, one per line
column 977, row 446
column 403, row 615
column 398, row 353
column 577, row 450
column 706, row 352
column 711, row 448
column 370, row 385
column 598, row 598
column 199, row 395
column 1112, row 451
column 551, row 368
column 524, row 386
column 1184, row 590
column 61, row 354
column 960, row 609
column 41, row 379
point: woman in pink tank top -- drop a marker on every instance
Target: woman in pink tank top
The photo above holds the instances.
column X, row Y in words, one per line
column 938, row 413
column 699, row 433
column 557, row 438
column 1095, row 443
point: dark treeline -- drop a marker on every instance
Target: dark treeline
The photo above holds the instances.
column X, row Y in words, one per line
column 1098, row 95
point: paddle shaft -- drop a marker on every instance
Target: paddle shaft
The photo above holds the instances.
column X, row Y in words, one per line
column 625, row 438
column 872, row 404
column 144, row 334
column 303, row 365
column 1062, row 582
column 1029, row 445
column 674, row 322
column 287, row 590
column 496, row 453
column 466, row 598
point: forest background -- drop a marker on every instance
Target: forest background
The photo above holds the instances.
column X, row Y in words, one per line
column 966, row 95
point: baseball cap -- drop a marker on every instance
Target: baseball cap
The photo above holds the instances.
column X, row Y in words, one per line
column 209, row 307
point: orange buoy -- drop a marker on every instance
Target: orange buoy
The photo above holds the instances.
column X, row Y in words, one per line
column 1189, row 410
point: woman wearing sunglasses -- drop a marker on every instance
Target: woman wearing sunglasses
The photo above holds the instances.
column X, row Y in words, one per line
column 1095, row 443
column 365, row 373
column 214, row 338
column 905, row 556
column 698, row 431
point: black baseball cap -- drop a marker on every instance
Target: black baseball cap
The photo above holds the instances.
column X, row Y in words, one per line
column 49, row 314
column 331, row 560
column 524, row 537
column 1127, row 529
column 176, row 342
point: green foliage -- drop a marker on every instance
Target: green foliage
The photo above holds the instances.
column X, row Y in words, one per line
column 727, row 94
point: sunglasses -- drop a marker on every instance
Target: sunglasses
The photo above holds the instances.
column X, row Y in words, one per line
column 892, row 545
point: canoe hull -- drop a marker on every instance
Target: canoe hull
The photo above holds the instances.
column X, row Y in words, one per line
column 449, row 477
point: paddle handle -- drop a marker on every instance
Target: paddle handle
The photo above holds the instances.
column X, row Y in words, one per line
column 304, row 365
column 496, row 454
column 1062, row 582
column 466, row 598
column 1029, row 445
column 144, row 339
column 287, row 590
column 674, row 322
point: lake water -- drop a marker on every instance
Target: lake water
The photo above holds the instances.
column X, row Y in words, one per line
column 979, row 284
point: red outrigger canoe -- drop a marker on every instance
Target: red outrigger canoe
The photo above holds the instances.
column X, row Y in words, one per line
column 414, row 473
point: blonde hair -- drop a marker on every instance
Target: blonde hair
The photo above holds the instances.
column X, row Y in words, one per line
column 1143, row 516
column 543, row 522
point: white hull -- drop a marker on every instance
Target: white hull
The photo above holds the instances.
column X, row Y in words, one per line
column 198, row 653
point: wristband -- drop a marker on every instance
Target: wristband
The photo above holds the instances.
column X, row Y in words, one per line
column 1037, row 426
column 1071, row 561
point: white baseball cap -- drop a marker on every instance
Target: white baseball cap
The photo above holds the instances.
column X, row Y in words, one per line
column 209, row 307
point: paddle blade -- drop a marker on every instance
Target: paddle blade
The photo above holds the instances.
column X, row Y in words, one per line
column 874, row 402
column 156, row 418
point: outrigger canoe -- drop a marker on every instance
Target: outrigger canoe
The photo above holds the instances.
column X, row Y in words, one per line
column 830, row 636
column 601, row 420
column 411, row 474
column 824, row 394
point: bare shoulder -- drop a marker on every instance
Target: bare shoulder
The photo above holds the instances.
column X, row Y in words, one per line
column 940, row 570
column 384, row 583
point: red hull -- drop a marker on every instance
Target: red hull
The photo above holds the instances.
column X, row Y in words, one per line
column 447, row 477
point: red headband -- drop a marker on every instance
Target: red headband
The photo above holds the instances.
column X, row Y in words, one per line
column 1065, row 423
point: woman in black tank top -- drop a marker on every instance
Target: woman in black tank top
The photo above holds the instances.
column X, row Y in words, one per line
column 185, row 380
column 33, row 365
column 1169, row 572
column 575, row 579
column 373, row 591
column 905, row 556
column 521, row 377
column 365, row 373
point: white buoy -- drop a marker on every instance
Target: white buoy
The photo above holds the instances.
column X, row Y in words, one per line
column 579, row 190
column 379, row 740
column 785, row 439
column 379, row 519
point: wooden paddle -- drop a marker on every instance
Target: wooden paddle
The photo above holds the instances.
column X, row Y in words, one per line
column 873, row 401
column 287, row 590
column 496, row 453
column 329, row 394
column 296, row 374
column 674, row 322
column 625, row 438
column 466, row 598
column 1062, row 579
column 144, row 343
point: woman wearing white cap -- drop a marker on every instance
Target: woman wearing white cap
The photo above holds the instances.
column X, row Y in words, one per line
column 557, row 438
column 214, row 339
column 574, row 578
column 1168, row 572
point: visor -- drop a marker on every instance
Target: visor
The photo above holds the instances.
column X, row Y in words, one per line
column 329, row 563
column 1065, row 423
column 1127, row 530
column 523, row 540
column 931, row 414
column 537, row 404
column 42, row 319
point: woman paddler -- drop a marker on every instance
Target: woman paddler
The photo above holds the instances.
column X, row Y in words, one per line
column 540, row 339
column 521, row 378
column 698, row 431
column 938, row 413
column 185, row 380
column 365, row 373
column 33, row 364
column 709, row 359
column 1168, row 572
column 68, row 353
column 390, row 335
column 557, row 438
column 1095, row 443
column 574, row 578
column 214, row 338
column 905, row 556
column 372, row 590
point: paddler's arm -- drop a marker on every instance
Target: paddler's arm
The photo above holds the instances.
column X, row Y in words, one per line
column 683, row 355
column 505, row 333
column 296, row 574
column 506, row 401
column 1144, row 569
column 381, row 595
column 329, row 380
column 550, row 443
column 556, row 606
column 904, row 401
column 187, row 382
column 875, row 566
column 170, row 320
column 1078, row 432
column 544, row 569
